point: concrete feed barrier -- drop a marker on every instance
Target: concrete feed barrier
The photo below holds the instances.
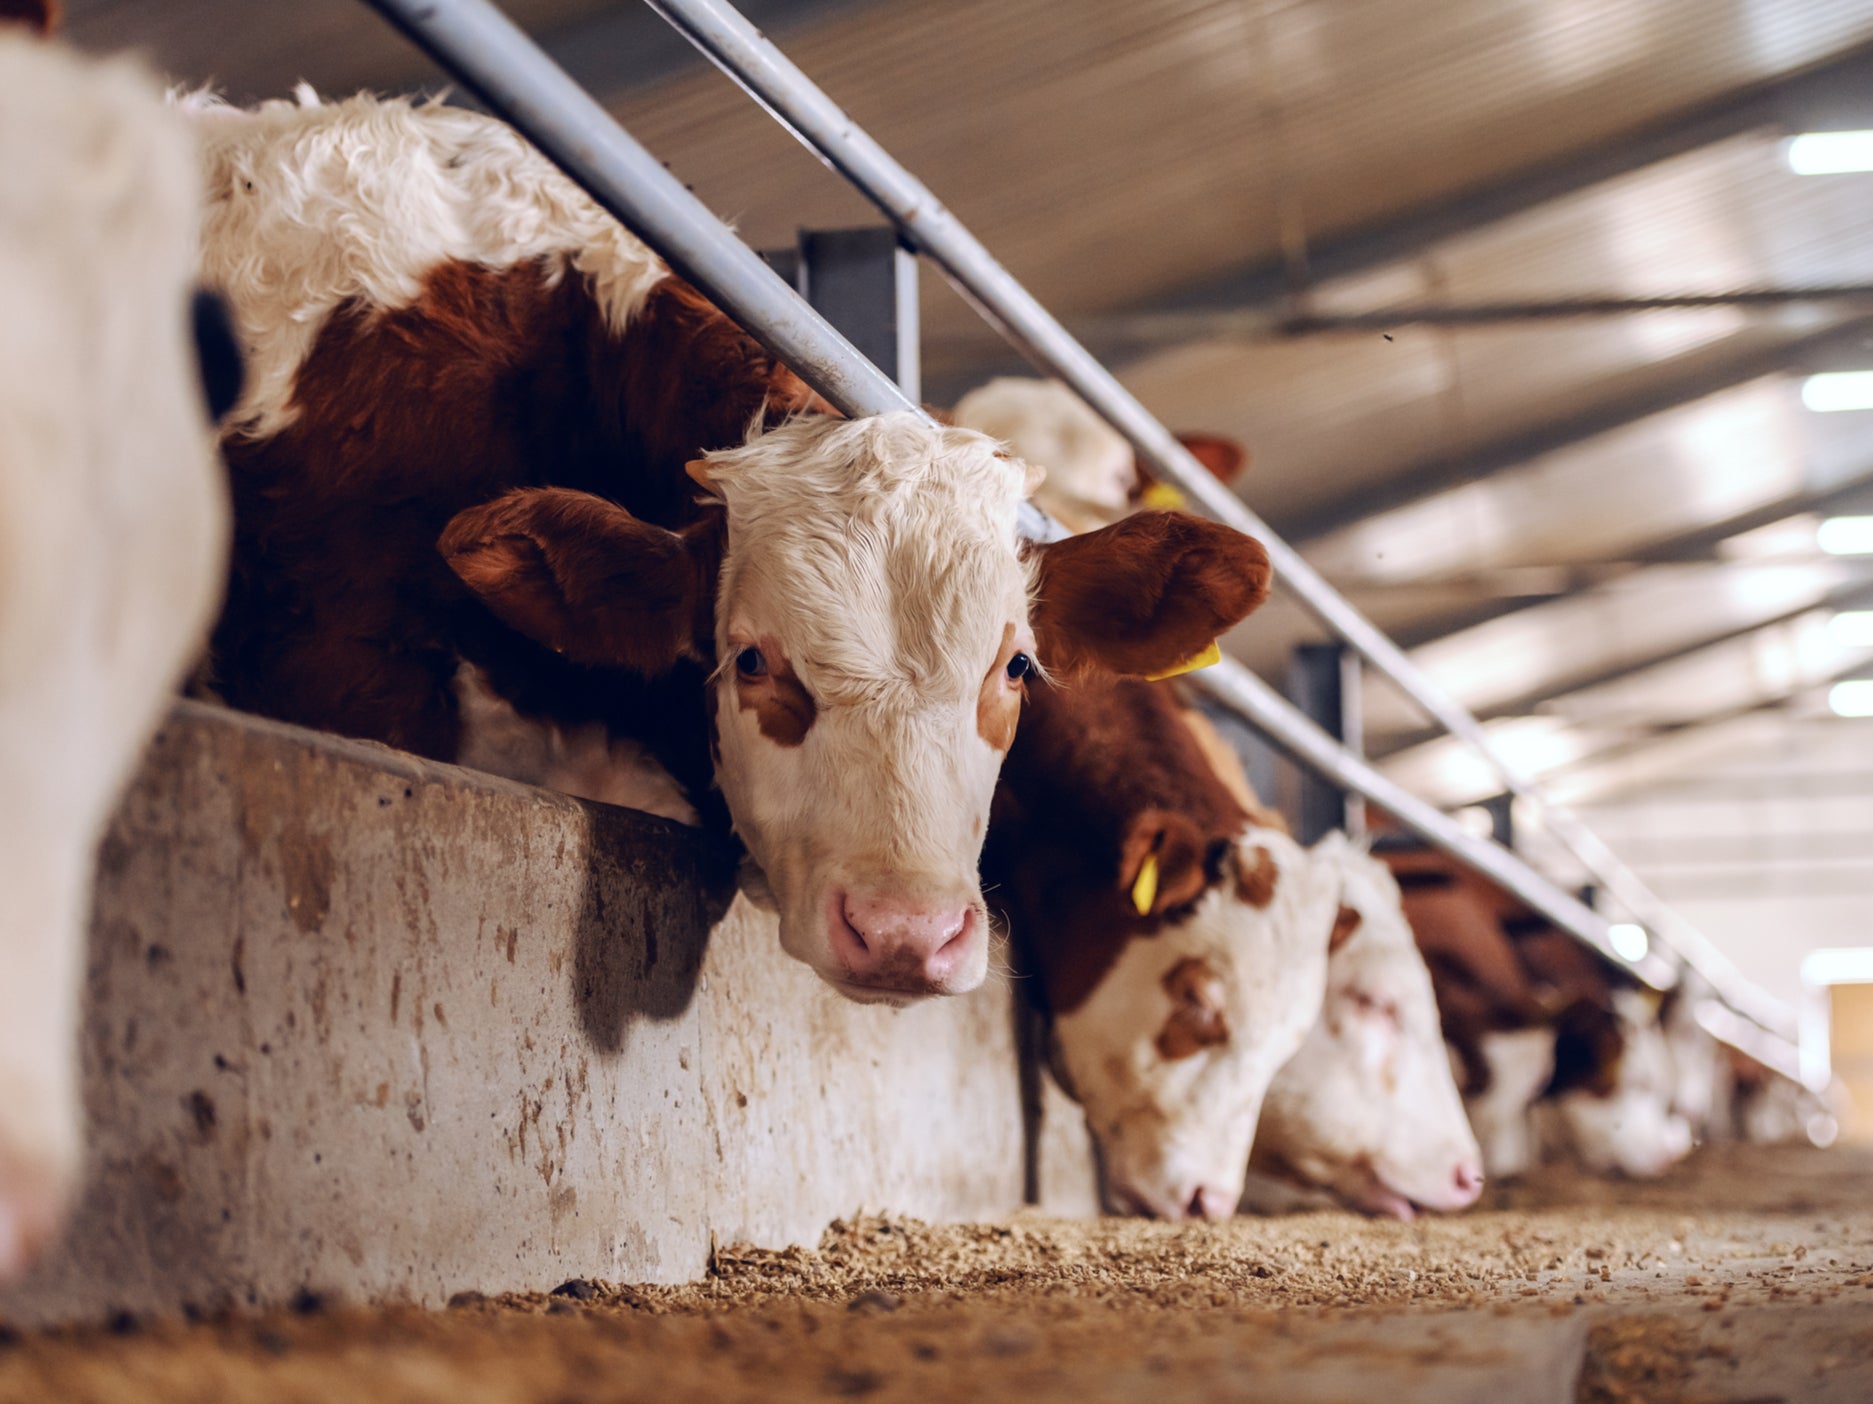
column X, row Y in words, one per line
column 362, row 1025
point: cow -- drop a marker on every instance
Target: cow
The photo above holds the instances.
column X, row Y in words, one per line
column 1093, row 476
column 113, row 524
column 1499, row 967
column 1367, row 1107
column 1178, row 950
column 487, row 427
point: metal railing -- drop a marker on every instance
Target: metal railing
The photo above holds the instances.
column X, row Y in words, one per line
column 518, row 81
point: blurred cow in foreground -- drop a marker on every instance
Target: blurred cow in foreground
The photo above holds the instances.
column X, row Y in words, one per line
column 113, row 527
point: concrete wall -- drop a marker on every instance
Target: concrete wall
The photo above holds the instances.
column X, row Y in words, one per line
column 374, row 1027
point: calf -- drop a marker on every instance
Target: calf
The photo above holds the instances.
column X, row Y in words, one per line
column 1179, row 950
column 1093, row 477
column 1368, row 1107
column 1499, row 967
column 113, row 525
column 454, row 348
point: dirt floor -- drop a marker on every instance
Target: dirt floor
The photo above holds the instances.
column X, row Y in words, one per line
column 1746, row 1276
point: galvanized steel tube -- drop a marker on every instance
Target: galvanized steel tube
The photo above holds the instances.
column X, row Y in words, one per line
column 793, row 99
column 518, row 81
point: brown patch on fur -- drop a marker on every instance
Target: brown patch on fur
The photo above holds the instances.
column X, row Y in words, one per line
column 1228, row 766
column 783, row 708
column 1256, row 876
column 1143, row 595
column 1345, row 923
column 1100, row 774
column 998, row 706
column 1198, row 1019
column 342, row 614
column 40, row 16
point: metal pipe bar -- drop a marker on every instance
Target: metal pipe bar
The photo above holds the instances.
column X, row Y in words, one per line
column 1238, row 688
column 495, row 59
column 1537, row 310
column 507, row 71
column 797, row 103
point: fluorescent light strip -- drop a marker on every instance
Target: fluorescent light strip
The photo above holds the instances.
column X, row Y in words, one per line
column 1830, row 153
column 1851, row 628
column 1832, row 391
column 1845, row 536
column 1853, row 698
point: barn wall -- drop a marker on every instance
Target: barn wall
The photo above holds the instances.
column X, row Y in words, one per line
column 369, row 1026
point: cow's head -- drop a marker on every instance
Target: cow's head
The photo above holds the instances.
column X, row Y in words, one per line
column 1620, row 1119
column 873, row 619
column 1174, row 1049
column 1093, row 474
column 1368, row 1107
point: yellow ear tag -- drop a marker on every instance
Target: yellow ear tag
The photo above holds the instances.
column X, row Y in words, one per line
column 1162, row 496
column 1212, row 654
column 1145, row 889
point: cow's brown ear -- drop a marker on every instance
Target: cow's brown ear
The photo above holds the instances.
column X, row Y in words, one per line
column 586, row 578
column 1162, row 862
column 1225, row 458
column 1145, row 594
column 41, row 16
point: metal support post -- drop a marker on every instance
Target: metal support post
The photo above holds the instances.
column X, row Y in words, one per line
column 1323, row 681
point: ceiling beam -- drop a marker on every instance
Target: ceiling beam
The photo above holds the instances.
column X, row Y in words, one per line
column 1857, row 594
column 1680, row 382
column 1826, row 94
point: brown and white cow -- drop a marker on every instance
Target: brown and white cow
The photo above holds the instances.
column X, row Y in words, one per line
column 1093, row 476
column 1498, row 968
column 113, row 527
column 1367, row 1107
column 453, row 346
column 1179, row 950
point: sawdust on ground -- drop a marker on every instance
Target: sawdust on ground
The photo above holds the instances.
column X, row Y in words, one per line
column 1041, row 1309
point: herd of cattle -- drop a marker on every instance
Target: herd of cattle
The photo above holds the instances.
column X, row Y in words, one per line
column 499, row 488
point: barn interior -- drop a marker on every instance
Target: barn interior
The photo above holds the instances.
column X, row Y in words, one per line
column 1551, row 347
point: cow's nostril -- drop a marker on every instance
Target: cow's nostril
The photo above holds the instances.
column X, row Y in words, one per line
column 1469, row 1178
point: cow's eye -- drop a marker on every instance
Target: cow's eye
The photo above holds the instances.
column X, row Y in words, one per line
column 751, row 663
column 1019, row 667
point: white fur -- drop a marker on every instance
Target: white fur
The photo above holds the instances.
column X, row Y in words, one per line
column 311, row 204
column 1169, row 1128
column 583, row 760
column 112, row 533
column 1367, row 1106
column 1091, row 470
column 879, row 557
column 1520, row 1063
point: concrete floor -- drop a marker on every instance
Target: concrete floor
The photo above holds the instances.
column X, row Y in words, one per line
column 1746, row 1276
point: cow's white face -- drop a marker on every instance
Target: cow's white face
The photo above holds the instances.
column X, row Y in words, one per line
column 873, row 640
column 1368, row 1106
column 873, row 621
column 1173, row 1052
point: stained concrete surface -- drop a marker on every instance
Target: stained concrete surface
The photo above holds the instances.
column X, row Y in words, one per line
column 372, row 1027
column 1747, row 1276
